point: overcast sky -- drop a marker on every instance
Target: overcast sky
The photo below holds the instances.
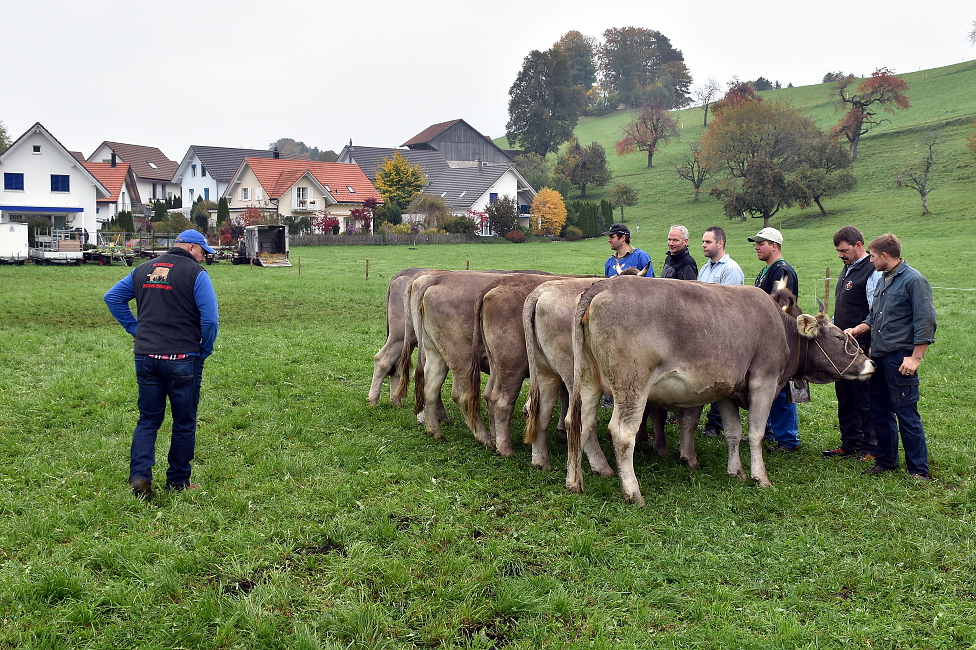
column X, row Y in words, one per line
column 245, row 73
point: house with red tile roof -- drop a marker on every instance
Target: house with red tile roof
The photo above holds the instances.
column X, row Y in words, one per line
column 300, row 188
column 123, row 187
column 153, row 170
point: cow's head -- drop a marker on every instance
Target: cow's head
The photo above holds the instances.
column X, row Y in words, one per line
column 824, row 353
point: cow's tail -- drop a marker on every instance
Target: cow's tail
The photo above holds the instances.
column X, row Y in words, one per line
column 418, row 374
column 409, row 336
column 477, row 349
column 532, row 423
column 574, row 430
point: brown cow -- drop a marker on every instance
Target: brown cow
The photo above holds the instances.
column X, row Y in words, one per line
column 547, row 320
column 499, row 337
column 385, row 361
column 737, row 347
column 442, row 308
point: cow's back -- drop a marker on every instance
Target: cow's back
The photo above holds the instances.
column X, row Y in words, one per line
column 701, row 340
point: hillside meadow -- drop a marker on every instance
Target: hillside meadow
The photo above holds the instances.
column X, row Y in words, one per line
column 322, row 523
column 941, row 98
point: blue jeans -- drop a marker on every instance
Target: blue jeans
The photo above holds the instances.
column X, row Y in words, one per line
column 784, row 420
column 179, row 381
column 894, row 407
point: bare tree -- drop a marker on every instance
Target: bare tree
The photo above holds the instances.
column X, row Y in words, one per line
column 691, row 168
column 972, row 34
column 918, row 177
column 705, row 94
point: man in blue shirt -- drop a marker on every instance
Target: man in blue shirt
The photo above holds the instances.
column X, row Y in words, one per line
column 624, row 255
column 719, row 269
column 902, row 325
column 173, row 334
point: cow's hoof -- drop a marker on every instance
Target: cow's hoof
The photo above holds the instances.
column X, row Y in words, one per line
column 397, row 402
column 373, row 402
column 544, row 467
column 575, row 487
column 739, row 475
column 507, row 453
column 763, row 481
column 636, row 499
column 603, row 471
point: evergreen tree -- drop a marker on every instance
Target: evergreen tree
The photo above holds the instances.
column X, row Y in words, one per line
column 223, row 211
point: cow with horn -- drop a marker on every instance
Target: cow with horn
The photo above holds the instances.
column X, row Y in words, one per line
column 737, row 348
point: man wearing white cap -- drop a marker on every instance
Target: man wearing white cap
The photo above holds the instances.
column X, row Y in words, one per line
column 173, row 334
column 783, row 418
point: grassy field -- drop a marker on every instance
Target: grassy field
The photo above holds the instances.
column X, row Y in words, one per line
column 322, row 523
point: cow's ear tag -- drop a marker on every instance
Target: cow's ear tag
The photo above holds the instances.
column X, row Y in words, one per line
column 807, row 325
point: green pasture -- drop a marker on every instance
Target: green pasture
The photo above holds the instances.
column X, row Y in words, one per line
column 322, row 523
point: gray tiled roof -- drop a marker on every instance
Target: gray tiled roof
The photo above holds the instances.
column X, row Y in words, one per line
column 370, row 158
column 460, row 187
column 222, row 162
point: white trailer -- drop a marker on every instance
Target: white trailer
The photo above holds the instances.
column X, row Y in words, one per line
column 54, row 245
column 13, row 243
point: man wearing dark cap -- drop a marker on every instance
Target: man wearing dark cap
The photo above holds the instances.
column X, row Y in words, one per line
column 783, row 417
column 173, row 334
column 624, row 255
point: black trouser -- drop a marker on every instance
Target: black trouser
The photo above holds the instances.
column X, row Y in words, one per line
column 714, row 418
column 854, row 416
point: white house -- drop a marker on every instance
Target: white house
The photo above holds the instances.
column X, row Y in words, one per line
column 205, row 171
column 301, row 188
column 41, row 179
column 474, row 189
column 153, row 170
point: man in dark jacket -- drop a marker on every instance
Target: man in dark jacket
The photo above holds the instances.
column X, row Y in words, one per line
column 174, row 333
column 852, row 301
column 679, row 264
column 783, row 417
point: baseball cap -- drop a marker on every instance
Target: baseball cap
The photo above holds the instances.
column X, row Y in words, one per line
column 194, row 237
column 618, row 229
column 768, row 234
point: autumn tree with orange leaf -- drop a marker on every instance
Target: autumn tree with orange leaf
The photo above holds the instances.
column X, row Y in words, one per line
column 653, row 125
column 881, row 91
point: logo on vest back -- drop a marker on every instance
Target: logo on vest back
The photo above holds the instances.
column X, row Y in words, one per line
column 159, row 277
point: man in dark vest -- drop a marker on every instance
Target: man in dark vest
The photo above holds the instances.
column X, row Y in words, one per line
column 852, row 302
column 784, row 421
column 173, row 335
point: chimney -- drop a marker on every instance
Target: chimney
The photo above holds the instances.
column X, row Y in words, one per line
column 114, row 160
column 275, row 154
column 480, row 167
